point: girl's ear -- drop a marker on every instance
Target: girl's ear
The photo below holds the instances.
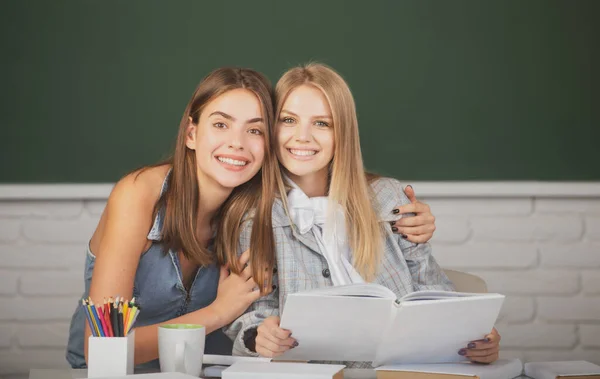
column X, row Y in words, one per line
column 190, row 137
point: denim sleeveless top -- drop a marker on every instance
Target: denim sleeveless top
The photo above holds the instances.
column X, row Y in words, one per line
column 159, row 290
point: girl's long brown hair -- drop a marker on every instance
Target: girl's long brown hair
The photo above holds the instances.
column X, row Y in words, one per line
column 180, row 201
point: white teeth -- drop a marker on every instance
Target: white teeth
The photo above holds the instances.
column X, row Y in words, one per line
column 234, row 162
column 303, row 152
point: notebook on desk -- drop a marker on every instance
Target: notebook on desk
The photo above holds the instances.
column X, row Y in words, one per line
column 501, row 369
column 562, row 369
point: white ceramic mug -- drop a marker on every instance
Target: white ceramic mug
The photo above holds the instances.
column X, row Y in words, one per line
column 181, row 348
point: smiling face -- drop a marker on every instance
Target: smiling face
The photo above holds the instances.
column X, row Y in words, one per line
column 305, row 135
column 228, row 139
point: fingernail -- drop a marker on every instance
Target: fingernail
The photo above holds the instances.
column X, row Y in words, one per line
column 471, row 345
column 295, row 344
column 274, row 287
column 404, row 236
column 410, row 186
column 392, row 223
column 396, row 211
column 394, row 229
column 462, row 352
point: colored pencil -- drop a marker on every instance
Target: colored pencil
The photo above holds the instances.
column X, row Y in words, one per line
column 100, row 313
column 107, row 319
column 121, row 328
column 87, row 314
column 133, row 318
column 114, row 319
column 94, row 325
column 95, row 314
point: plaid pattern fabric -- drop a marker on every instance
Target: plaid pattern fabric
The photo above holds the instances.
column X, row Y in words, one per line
column 405, row 267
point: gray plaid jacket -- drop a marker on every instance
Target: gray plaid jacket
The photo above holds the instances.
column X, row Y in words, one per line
column 405, row 266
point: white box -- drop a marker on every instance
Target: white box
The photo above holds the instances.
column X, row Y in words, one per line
column 111, row 356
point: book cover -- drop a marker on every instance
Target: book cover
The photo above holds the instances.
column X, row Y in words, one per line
column 501, row 369
column 562, row 369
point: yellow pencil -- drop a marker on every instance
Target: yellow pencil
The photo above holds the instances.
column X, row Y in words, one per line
column 125, row 307
column 133, row 311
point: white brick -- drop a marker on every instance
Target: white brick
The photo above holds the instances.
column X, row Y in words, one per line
column 43, row 256
column 48, row 335
column 451, row 229
column 517, row 309
column 591, row 355
column 486, row 255
column 532, row 282
column 8, row 282
column 592, row 228
column 58, row 308
column 583, row 308
column 56, row 208
column 590, row 281
column 60, row 231
column 562, row 205
column 584, row 255
column 52, row 283
column 589, row 335
column 95, row 207
column 20, row 362
column 480, row 206
column 537, row 335
column 6, row 333
column 558, row 228
column 9, row 230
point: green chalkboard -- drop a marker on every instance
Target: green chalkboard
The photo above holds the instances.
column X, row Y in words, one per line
column 446, row 90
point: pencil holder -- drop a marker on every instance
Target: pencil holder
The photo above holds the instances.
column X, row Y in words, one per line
column 111, row 356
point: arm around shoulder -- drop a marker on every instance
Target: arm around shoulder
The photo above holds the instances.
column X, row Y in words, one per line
column 425, row 271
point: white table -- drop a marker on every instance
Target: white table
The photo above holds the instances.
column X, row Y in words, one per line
column 81, row 374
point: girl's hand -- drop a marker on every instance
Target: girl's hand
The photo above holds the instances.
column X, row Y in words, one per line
column 235, row 292
column 485, row 350
column 271, row 340
column 418, row 228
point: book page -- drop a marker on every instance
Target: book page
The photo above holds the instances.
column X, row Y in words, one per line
column 433, row 295
column 353, row 290
column 433, row 331
column 335, row 328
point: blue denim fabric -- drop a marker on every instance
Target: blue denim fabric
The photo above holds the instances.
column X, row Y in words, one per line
column 159, row 290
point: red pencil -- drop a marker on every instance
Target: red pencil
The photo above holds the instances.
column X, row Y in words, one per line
column 102, row 322
column 107, row 319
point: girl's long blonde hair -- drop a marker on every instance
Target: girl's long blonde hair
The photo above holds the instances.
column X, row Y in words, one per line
column 349, row 183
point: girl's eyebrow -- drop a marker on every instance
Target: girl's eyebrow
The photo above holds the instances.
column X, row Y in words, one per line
column 229, row 117
column 293, row 114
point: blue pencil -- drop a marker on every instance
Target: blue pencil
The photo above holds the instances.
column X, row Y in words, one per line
column 87, row 314
column 97, row 320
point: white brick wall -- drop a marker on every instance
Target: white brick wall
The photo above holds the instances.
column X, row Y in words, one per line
column 543, row 253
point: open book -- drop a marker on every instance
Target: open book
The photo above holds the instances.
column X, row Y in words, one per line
column 365, row 322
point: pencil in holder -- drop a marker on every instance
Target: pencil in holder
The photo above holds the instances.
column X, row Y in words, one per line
column 111, row 356
column 111, row 345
